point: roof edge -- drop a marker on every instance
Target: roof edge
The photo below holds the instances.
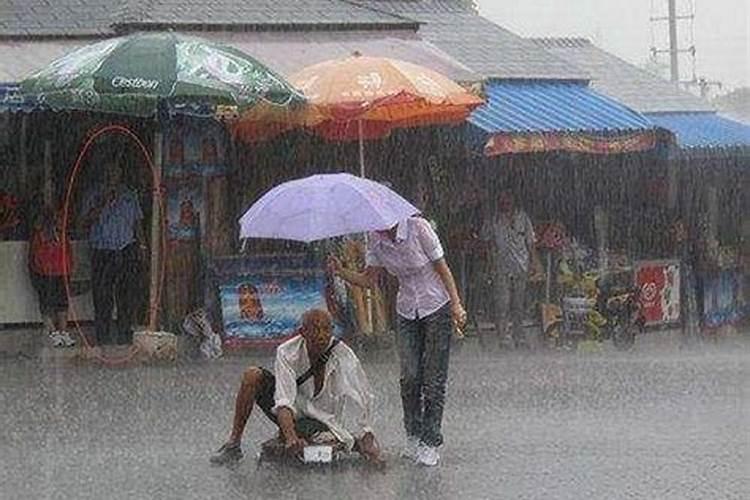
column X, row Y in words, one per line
column 701, row 112
column 549, row 42
column 57, row 36
column 379, row 10
column 503, row 79
column 127, row 27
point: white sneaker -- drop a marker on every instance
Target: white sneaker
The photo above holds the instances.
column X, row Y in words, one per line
column 410, row 448
column 67, row 340
column 56, row 339
column 428, row 455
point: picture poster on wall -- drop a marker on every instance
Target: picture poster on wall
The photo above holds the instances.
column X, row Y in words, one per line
column 184, row 209
column 195, row 150
column 721, row 298
column 262, row 298
column 659, row 283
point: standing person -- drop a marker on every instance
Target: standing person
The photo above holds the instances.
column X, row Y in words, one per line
column 113, row 217
column 684, row 249
column 512, row 234
column 465, row 226
column 427, row 300
column 50, row 263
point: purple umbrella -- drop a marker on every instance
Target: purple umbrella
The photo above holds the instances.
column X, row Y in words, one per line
column 324, row 206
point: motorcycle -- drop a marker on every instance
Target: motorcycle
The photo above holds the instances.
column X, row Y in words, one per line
column 606, row 311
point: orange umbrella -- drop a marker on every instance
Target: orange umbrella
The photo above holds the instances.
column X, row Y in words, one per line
column 266, row 120
column 361, row 97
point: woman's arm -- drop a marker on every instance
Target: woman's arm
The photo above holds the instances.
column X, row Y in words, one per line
column 367, row 279
column 446, row 276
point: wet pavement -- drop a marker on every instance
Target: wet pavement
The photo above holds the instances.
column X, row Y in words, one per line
column 659, row 422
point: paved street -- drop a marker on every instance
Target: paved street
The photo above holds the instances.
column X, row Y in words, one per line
column 658, row 423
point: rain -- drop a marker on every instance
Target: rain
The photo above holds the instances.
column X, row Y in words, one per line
column 371, row 249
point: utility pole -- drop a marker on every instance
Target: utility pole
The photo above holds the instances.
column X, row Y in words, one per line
column 679, row 18
column 674, row 63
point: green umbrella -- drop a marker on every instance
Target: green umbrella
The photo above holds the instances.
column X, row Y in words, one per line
column 133, row 74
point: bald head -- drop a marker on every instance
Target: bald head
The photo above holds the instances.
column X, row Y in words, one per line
column 317, row 328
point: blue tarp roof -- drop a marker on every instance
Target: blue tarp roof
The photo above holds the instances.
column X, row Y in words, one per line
column 703, row 130
column 518, row 107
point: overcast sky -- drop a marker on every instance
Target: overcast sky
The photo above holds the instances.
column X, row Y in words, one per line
column 722, row 29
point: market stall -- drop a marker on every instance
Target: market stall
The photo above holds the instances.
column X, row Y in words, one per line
column 43, row 178
column 171, row 105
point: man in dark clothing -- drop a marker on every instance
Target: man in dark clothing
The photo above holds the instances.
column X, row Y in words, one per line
column 112, row 216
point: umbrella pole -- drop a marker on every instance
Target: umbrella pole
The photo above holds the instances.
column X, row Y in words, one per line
column 22, row 156
column 368, row 292
column 156, row 229
column 361, row 150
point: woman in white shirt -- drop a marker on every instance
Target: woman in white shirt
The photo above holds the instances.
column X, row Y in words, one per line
column 428, row 306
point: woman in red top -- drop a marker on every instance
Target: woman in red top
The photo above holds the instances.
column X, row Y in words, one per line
column 50, row 262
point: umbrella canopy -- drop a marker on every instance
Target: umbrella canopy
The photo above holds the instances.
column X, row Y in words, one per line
column 133, row 74
column 366, row 97
column 324, row 206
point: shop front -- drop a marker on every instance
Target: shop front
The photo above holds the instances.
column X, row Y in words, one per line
column 584, row 168
column 711, row 165
column 38, row 161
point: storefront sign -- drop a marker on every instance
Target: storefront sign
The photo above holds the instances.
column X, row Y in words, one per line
column 576, row 143
column 659, row 284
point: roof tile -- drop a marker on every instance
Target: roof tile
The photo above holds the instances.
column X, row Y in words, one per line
column 262, row 12
column 482, row 45
column 86, row 17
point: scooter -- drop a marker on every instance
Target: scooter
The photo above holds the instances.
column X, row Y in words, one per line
column 621, row 310
column 607, row 312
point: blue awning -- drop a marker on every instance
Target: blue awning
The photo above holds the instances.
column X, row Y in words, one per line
column 553, row 107
column 703, row 130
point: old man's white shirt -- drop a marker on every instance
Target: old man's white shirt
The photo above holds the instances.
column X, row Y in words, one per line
column 345, row 381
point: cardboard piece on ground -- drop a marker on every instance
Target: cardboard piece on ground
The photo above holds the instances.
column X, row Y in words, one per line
column 155, row 346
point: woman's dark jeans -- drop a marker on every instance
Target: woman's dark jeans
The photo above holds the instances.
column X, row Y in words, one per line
column 424, row 349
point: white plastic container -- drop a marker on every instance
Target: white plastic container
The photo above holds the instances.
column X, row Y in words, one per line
column 321, row 454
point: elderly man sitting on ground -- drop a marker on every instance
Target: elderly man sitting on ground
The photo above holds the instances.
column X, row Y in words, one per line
column 315, row 375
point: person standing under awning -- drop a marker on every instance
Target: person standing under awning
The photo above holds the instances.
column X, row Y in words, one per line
column 512, row 234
